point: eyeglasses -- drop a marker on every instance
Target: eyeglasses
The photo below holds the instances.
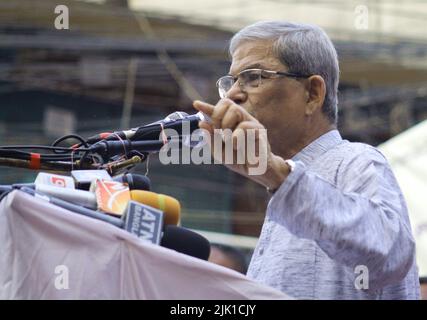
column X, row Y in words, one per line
column 250, row 78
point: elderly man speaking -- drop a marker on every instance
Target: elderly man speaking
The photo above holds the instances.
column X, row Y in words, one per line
column 337, row 225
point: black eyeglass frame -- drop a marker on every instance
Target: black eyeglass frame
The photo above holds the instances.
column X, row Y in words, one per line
column 261, row 73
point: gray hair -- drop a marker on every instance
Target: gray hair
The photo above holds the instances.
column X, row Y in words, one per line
column 304, row 49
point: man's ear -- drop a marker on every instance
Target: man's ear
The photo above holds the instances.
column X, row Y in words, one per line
column 316, row 93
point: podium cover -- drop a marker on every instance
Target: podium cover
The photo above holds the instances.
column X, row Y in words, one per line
column 51, row 253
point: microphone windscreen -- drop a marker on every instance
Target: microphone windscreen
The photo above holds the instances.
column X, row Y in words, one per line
column 177, row 115
column 185, row 241
column 135, row 181
column 170, row 206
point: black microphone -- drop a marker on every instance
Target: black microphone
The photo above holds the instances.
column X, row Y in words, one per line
column 148, row 138
column 107, row 149
column 185, row 241
column 135, row 181
column 152, row 130
column 84, row 178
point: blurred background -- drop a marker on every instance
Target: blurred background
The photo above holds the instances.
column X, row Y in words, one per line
column 123, row 63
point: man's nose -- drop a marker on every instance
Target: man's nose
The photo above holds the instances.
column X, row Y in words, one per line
column 236, row 93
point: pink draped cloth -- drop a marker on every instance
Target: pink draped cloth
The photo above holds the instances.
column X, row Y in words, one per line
column 51, row 253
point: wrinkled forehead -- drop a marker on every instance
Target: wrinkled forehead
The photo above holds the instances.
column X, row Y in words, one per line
column 254, row 54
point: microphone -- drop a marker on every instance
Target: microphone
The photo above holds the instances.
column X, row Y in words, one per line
column 110, row 196
column 84, row 198
column 84, row 178
column 106, row 195
column 135, row 181
column 177, row 121
column 152, row 130
column 169, row 205
column 185, row 241
column 177, row 115
column 143, row 217
column 144, row 221
column 74, row 207
column 147, row 138
column 61, row 187
column 107, row 149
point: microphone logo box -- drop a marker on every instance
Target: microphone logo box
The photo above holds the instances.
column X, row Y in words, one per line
column 54, row 180
column 85, row 177
column 111, row 196
column 143, row 221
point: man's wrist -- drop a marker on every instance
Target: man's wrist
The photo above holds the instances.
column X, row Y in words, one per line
column 279, row 171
